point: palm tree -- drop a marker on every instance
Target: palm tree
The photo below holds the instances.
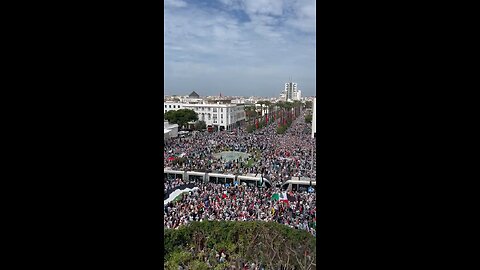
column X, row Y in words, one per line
column 262, row 112
column 261, row 108
column 281, row 108
column 297, row 105
column 247, row 110
column 270, row 109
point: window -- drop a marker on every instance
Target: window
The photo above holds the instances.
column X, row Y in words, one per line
column 165, row 106
column 221, row 109
column 174, row 106
column 169, row 106
column 221, row 115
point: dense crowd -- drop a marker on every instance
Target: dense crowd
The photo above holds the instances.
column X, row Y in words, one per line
column 279, row 156
column 241, row 203
column 172, row 184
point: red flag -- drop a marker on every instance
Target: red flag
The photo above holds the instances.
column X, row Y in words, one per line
column 266, row 118
column 256, row 123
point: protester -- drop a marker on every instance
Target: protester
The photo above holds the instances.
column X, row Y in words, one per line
column 242, row 203
column 278, row 157
column 281, row 157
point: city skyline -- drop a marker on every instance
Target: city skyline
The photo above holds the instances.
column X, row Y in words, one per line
column 239, row 47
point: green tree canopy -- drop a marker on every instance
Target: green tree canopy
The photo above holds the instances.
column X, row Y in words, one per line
column 270, row 244
column 200, row 125
column 181, row 117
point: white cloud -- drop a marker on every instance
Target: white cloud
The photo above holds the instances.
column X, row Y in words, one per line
column 207, row 48
column 174, row 3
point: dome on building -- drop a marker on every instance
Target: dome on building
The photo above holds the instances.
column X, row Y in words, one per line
column 193, row 95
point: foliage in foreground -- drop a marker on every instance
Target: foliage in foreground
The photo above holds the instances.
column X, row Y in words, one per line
column 269, row 244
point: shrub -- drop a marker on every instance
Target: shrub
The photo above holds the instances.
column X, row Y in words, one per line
column 254, row 241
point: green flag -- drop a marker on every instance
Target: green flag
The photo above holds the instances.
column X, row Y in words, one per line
column 275, row 197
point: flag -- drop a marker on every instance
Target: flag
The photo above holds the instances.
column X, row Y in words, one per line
column 282, row 197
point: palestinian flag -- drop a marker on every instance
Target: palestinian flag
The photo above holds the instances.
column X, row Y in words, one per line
column 280, row 197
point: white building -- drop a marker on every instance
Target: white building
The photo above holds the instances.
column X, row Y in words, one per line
column 291, row 92
column 314, row 118
column 218, row 116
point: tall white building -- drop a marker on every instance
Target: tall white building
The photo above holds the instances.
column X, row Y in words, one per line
column 219, row 116
column 291, row 92
column 314, row 118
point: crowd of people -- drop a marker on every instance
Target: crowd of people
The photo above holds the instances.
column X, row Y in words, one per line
column 172, row 184
column 242, row 203
column 280, row 157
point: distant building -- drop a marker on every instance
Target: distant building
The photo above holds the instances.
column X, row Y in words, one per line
column 314, row 118
column 194, row 95
column 219, row 116
column 291, row 92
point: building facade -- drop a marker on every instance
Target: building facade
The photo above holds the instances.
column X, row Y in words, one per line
column 218, row 116
column 291, row 92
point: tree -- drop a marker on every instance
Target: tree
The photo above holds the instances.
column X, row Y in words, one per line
column 181, row 117
column 199, row 125
column 250, row 113
column 297, row 105
column 309, row 104
column 271, row 106
column 270, row 244
column 308, row 119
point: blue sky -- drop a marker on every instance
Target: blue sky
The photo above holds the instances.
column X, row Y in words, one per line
column 239, row 47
